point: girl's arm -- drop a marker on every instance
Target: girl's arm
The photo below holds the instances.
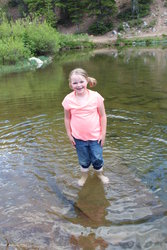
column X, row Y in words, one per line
column 103, row 121
column 67, row 118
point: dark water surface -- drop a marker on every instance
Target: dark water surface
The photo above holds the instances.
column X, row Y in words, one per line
column 41, row 206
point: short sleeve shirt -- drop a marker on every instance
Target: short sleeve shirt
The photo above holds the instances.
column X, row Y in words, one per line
column 85, row 118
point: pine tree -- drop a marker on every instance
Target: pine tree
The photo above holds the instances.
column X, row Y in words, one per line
column 76, row 11
column 102, row 9
column 43, row 8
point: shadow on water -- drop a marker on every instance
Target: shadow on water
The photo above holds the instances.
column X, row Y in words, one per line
column 91, row 207
column 91, row 204
column 88, row 242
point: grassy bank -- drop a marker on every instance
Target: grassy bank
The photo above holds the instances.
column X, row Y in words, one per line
column 142, row 42
column 27, row 38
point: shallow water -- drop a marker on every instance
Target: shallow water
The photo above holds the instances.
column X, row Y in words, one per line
column 41, row 206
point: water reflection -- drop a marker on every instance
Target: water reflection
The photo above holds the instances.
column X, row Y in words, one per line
column 91, row 203
column 88, row 242
column 41, row 205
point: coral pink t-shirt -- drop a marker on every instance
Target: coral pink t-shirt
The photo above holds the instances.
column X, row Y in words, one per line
column 85, row 119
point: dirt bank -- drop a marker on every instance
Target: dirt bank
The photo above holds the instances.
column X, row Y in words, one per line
column 158, row 17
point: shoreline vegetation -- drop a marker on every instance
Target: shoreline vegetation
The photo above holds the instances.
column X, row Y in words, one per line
column 26, row 38
column 23, row 39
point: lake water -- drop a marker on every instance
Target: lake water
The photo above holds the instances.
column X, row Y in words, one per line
column 41, row 205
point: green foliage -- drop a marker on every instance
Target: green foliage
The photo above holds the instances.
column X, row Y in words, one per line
column 120, row 27
column 12, row 50
column 70, row 56
column 23, row 65
column 5, row 30
column 18, row 28
column 44, row 8
column 125, row 15
column 24, row 38
column 102, row 9
column 74, row 41
column 152, row 23
column 135, row 22
column 100, row 28
column 41, row 38
column 143, row 9
column 73, row 10
column 76, row 10
column 20, row 39
column 142, row 42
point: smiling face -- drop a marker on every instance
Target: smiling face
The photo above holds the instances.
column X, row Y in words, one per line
column 78, row 83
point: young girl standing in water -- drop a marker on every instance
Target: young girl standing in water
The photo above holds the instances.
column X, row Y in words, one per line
column 85, row 122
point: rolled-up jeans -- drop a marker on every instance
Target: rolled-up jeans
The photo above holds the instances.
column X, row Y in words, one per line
column 89, row 152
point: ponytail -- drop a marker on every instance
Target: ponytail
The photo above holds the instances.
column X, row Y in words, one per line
column 92, row 81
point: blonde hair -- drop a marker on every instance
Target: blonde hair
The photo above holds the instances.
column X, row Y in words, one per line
column 91, row 81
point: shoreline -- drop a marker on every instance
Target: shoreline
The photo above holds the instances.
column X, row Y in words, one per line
column 109, row 39
column 146, row 40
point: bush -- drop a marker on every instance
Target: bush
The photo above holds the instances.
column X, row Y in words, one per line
column 125, row 15
column 135, row 22
column 18, row 28
column 25, row 37
column 144, row 9
column 13, row 50
column 120, row 27
column 36, row 36
column 5, row 30
column 74, row 41
column 100, row 28
column 41, row 38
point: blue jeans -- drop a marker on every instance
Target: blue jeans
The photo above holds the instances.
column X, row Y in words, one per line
column 89, row 152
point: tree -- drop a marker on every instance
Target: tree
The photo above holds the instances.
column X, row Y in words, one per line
column 43, row 8
column 102, row 9
column 135, row 8
column 76, row 11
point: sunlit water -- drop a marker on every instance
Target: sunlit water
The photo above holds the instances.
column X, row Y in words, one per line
column 41, row 205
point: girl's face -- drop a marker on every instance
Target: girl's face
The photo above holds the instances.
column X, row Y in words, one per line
column 79, row 84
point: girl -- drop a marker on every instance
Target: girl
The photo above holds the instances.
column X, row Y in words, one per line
column 85, row 121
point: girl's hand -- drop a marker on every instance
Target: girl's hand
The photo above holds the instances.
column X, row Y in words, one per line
column 101, row 140
column 72, row 140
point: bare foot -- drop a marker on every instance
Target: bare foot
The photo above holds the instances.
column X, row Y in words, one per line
column 103, row 178
column 83, row 179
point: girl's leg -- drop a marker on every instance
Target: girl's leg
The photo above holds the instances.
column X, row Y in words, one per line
column 96, row 153
column 83, row 178
column 102, row 177
column 84, row 159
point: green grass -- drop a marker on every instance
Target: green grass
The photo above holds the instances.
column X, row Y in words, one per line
column 140, row 42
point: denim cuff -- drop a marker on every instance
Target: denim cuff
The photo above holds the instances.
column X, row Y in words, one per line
column 99, row 170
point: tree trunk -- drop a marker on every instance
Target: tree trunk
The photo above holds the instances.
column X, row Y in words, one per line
column 135, row 8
